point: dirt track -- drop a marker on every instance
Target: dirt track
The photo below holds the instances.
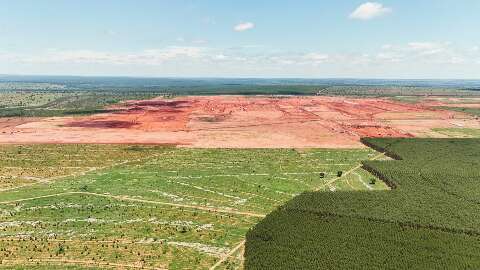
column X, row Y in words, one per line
column 241, row 122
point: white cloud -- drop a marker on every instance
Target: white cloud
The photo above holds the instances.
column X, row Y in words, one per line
column 386, row 46
column 369, row 10
column 428, row 53
column 317, row 58
column 414, row 59
column 244, row 26
column 427, row 48
column 389, row 57
column 145, row 57
column 220, row 57
column 413, row 52
column 199, row 41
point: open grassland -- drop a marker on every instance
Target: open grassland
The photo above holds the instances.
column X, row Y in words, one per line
column 22, row 165
column 155, row 207
column 472, row 111
column 459, row 132
column 429, row 220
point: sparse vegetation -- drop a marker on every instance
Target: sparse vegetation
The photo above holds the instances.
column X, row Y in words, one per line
column 459, row 132
column 152, row 206
column 472, row 111
column 48, row 104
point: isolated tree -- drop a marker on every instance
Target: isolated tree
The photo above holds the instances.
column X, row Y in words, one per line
column 60, row 250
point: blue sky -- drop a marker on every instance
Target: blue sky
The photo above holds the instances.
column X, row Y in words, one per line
column 218, row 38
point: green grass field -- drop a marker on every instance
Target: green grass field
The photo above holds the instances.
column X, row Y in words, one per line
column 120, row 206
column 459, row 132
column 472, row 111
column 22, row 165
column 429, row 220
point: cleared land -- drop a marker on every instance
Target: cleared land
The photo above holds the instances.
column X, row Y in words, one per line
column 151, row 207
column 242, row 122
column 430, row 219
column 459, row 132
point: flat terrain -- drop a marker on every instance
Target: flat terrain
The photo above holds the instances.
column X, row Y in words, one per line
column 152, row 207
column 145, row 180
column 429, row 220
column 242, row 122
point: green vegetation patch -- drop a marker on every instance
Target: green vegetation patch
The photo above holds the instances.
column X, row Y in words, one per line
column 150, row 206
column 394, row 91
column 27, row 164
column 408, row 99
column 472, row 111
column 49, row 104
column 430, row 219
column 459, row 132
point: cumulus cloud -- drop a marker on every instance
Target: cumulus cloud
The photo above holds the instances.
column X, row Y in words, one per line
column 427, row 48
column 413, row 52
column 369, row 10
column 426, row 53
column 317, row 58
column 220, row 56
column 147, row 57
column 416, row 58
column 244, row 26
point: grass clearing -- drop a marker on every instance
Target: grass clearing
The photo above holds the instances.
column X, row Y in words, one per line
column 471, row 111
column 459, row 132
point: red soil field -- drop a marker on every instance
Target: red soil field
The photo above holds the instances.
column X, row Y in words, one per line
column 240, row 122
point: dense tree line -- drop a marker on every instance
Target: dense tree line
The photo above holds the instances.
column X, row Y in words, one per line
column 431, row 219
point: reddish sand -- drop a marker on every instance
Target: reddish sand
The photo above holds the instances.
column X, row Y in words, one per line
column 240, row 121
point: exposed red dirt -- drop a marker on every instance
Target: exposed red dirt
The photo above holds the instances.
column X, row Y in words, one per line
column 101, row 124
column 241, row 121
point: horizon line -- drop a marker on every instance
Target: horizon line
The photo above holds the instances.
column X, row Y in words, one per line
column 239, row 77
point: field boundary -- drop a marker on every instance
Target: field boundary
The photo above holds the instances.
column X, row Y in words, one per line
column 346, row 173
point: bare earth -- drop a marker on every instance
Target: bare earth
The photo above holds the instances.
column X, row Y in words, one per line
column 241, row 122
